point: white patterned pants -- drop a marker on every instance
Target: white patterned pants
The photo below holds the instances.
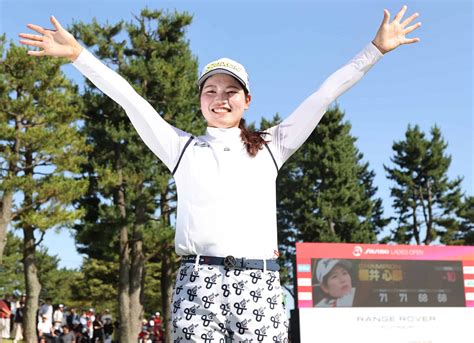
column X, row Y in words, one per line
column 212, row 304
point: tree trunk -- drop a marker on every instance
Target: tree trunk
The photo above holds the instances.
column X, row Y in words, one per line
column 423, row 207
column 332, row 227
column 5, row 218
column 124, row 269
column 6, row 204
column 429, row 224
column 136, row 274
column 416, row 231
column 166, row 293
column 33, row 287
column 124, row 286
column 166, row 282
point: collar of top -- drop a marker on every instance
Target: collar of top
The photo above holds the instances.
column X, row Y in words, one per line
column 229, row 135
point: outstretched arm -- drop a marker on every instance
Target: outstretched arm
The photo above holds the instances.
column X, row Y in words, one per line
column 163, row 139
column 289, row 135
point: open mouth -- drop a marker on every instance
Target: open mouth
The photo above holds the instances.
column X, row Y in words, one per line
column 220, row 110
column 345, row 289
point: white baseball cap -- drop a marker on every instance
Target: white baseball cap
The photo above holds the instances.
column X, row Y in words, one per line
column 325, row 266
column 225, row 66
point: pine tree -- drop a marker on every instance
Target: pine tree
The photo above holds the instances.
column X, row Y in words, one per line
column 41, row 151
column 96, row 285
column 131, row 199
column 424, row 198
column 461, row 230
column 325, row 193
column 466, row 227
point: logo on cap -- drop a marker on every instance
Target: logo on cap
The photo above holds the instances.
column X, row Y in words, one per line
column 225, row 66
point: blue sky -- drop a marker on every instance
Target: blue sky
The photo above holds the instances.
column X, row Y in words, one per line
column 290, row 47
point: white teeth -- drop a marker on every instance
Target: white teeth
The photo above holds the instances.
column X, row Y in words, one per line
column 220, row 110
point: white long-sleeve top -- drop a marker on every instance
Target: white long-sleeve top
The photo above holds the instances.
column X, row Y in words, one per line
column 226, row 198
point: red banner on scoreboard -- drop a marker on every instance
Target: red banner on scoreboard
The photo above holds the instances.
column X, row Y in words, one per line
column 376, row 275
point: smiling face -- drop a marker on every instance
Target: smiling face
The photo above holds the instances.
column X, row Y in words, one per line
column 223, row 101
column 338, row 282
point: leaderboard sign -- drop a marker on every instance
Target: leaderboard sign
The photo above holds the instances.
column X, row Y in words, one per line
column 404, row 293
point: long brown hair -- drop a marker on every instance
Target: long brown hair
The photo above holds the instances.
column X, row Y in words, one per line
column 253, row 140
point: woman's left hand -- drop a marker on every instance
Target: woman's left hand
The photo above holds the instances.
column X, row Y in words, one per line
column 393, row 34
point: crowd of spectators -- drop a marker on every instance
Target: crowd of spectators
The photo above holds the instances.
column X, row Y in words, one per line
column 11, row 317
column 58, row 324
column 152, row 330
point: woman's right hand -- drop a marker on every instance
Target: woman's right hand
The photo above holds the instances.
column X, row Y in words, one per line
column 58, row 43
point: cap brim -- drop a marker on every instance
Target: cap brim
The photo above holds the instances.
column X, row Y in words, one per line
column 204, row 77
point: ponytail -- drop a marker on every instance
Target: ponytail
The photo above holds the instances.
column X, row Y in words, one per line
column 253, row 140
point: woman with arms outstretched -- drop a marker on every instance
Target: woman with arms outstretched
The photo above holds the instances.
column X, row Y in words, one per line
column 226, row 229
